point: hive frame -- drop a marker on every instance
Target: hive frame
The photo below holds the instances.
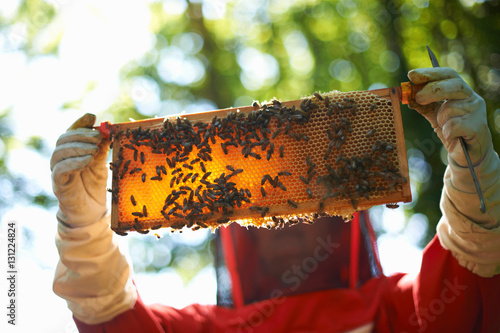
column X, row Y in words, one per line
column 248, row 216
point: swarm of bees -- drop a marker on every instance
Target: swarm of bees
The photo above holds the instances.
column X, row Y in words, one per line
column 199, row 198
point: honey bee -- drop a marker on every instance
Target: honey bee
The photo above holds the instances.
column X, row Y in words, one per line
column 311, row 175
column 264, row 212
column 132, row 199
column 170, row 164
column 370, row 133
column 142, row 231
column 330, row 111
column 186, row 177
column 281, row 186
column 318, row 96
column 304, row 180
column 274, row 182
column 224, row 148
column 255, row 155
column 311, row 168
column 339, row 158
column 392, row 206
column 125, row 166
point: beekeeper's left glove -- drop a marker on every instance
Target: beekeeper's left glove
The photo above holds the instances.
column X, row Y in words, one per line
column 454, row 110
column 93, row 276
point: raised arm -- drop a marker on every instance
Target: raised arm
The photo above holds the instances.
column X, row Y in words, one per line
column 458, row 287
column 92, row 275
column 455, row 110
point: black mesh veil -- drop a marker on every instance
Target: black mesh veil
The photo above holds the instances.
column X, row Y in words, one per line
column 250, row 273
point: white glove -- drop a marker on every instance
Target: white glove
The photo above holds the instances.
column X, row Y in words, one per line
column 455, row 110
column 93, row 276
column 79, row 173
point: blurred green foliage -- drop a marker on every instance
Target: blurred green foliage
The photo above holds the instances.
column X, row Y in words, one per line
column 218, row 54
column 19, row 33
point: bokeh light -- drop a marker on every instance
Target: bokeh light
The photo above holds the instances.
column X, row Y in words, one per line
column 259, row 70
column 341, row 70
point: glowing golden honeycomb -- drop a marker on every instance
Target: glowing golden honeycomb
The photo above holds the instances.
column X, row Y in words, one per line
column 372, row 161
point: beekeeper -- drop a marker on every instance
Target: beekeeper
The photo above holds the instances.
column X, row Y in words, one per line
column 324, row 277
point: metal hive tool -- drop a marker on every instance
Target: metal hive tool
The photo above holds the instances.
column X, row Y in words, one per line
column 264, row 165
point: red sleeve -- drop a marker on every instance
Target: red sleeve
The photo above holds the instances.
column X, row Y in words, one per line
column 152, row 319
column 444, row 297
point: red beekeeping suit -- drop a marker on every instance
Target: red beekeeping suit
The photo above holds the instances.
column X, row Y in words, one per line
column 444, row 297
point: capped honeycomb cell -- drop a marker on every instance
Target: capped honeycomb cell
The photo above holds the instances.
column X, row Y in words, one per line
column 265, row 165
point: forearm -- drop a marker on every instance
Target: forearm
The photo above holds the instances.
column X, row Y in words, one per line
column 92, row 274
column 472, row 236
column 459, row 189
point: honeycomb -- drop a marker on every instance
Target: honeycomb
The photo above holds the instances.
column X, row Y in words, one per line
column 264, row 165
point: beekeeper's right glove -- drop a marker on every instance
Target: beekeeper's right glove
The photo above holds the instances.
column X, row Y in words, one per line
column 93, row 276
